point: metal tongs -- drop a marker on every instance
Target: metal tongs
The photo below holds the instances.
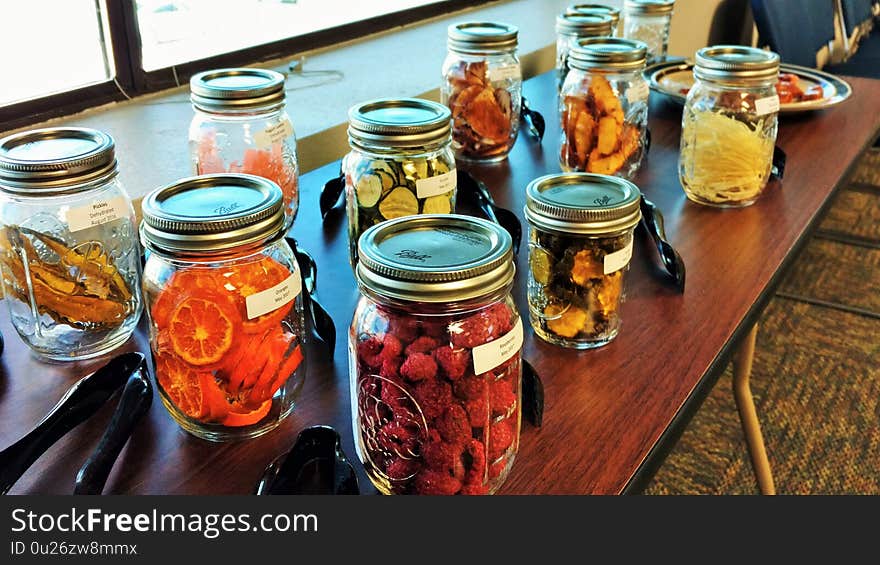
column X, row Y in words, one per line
column 653, row 224
column 77, row 405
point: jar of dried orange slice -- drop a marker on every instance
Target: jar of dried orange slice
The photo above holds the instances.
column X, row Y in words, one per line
column 603, row 107
column 482, row 85
column 223, row 293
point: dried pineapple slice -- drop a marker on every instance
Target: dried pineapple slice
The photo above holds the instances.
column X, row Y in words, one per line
column 400, row 202
column 565, row 322
column 586, row 267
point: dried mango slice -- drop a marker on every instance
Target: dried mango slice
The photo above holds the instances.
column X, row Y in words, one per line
column 609, row 132
column 400, row 202
column 369, row 190
column 583, row 137
column 565, row 322
column 439, row 204
column 605, row 165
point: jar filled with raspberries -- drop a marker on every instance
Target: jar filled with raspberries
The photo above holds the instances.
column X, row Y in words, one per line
column 482, row 85
column 435, row 352
column 223, row 293
column 580, row 244
column 603, row 107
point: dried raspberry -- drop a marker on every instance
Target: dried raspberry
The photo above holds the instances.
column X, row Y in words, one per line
column 401, row 469
column 501, row 397
column 475, row 459
column 501, row 317
column 471, row 332
column 422, row 344
column 419, row 367
column 390, row 368
column 444, row 458
column 391, row 347
column 454, row 425
column 432, row 397
column 434, row 482
column 454, row 362
column 368, row 351
column 501, row 435
column 395, row 437
column 478, row 412
column 435, row 329
column 472, row 387
column 393, row 395
column 403, row 328
column 497, row 468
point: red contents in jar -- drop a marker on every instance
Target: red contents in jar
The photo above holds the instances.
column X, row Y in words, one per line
column 429, row 425
column 213, row 363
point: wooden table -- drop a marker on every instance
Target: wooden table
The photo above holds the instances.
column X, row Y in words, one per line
column 611, row 414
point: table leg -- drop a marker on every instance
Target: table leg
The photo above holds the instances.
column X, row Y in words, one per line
column 742, row 370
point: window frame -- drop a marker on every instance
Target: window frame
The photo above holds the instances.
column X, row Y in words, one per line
column 132, row 80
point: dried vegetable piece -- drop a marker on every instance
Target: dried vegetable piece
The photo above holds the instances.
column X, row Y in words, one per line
column 428, row 431
column 596, row 136
column 212, row 362
column 484, row 118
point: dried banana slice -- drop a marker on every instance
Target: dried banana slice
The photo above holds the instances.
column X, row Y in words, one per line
column 399, row 202
column 369, row 190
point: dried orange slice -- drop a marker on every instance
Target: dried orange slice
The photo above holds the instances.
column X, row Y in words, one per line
column 237, row 419
column 182, row 385
column 201, row 330
column 251, row 278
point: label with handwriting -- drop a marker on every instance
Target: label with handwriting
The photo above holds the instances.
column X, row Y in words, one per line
column 767, row 105
column 440, row 184
column 273, row 298
column 490, row 355
column 618, row 260
column 504, row 72
column 274, row 134
column 97, row 213
column 637, row 92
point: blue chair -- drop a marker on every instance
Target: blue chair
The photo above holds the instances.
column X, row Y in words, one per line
column 796, row 29
column 864, row 61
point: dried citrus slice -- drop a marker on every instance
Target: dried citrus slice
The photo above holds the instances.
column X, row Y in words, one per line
column 541, row 264
column 250, row 278
column 400, row 202
column 439, row 204
column 236, row 419
column 368, row 190
column 201, row 330
column 182, row 385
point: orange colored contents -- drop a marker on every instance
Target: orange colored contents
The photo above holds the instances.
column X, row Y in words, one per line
column 212, row 362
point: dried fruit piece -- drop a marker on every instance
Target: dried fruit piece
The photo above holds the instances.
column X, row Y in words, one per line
column 565, row 321
column 540, row 262
column 400, row 202
column 586, row 267
column 201, row 332
column 368, row 190
column 439, row 204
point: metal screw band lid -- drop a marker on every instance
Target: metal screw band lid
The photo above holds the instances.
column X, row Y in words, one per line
column 236, row 89
column 611, row 11
column 405, row 122
column 435, row 258
column 737, row 63
column 212, row 213
column 648, row 7
column 582, row 203
column 608, row 53
column 585, row 24
column 482, row 36
column 52, row 161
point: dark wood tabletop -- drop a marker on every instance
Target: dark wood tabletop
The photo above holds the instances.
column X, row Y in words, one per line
column 611, row 414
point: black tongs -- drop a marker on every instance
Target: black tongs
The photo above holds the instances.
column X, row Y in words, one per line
column 476, row 193
column 534, row 119
column 652, row 222
column 78, row 404
column 322, row 323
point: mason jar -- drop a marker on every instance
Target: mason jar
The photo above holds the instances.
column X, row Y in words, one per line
column 580, row 243
column 435, row 356
column 223, row 292
column 611, row 11
column 400, row 164
column 603, row 107
column 572, row 27
column 69, row 255
column 728, row 126
column 241, row 126
column 649, row 21
column 482, row 85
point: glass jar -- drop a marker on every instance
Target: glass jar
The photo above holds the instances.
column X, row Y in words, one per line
column 401, row 163
column 572, row 27
column 69, row 255
column 435, row 356
column 580, row 243
column 648, row 21
column 241, row 126
column 223, row 292
column 610, row 11
column 603, row 107
column 728, row 126
column 482, row 85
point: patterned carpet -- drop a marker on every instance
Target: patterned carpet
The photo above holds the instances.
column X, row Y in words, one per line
column 816, row 376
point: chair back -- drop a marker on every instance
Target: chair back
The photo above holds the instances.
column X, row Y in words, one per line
column 796, row 29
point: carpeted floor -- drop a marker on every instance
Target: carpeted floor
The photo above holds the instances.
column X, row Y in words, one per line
column 816, row 376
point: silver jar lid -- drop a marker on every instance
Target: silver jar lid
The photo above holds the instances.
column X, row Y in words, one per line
column 611, row 11
column 52, row 161
column 211, row 214
column 435, row 258
column 236, row 89
column 582, row 203
column 737, row 64
column 477, row 37
column 585, row 24
column 404, row 122
column 648, row 7
column 608, row 54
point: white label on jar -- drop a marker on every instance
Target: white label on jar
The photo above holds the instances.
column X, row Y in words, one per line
column 274, row 134
column 273, row 298
column 441, row 184
column 97, row 213
column 637, row 92
column 505, row 72
column 767, row 105
column 490, row 355
column 618, row 260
